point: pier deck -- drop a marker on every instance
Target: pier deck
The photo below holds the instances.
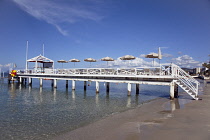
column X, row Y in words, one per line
column 171, row 76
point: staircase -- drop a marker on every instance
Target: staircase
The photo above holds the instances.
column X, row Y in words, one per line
column 185, row 81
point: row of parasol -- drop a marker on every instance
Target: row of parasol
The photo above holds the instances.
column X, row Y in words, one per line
column 126, row 57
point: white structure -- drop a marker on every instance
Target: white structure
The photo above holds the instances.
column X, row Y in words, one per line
column 46, row 64
column 172, row 76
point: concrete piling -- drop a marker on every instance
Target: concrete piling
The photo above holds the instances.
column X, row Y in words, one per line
column 85, row 85
column 73, row 84
column 137, row 88
column 129, row 89
column 97, row 87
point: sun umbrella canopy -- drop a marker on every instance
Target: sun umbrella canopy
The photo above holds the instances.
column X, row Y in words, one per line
column 62, row 61
column 127, row 57
column 74, row 60
column 107, row 59
column 152, row 55
column 90, row 60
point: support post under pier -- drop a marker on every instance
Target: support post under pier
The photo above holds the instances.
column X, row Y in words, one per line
column 29, row 81
column 129, row 89
column 85, row 85
column 52, row 83
column 41, row 82
column 20, row 80
column 172, row 90
column 97, row 87
column 25, row 79
column 137, row 89
column 107, row 86
column 55, row 83
column 67, row 84
column 73, row 84
column 176, row 92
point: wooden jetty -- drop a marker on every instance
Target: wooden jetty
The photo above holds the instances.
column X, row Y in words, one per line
column 172, row 76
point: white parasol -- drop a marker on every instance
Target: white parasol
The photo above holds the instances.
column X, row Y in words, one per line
column 127, row 57
column 152, row 55
column 107, row 59
column 74, row 60
column 89, row 60
column 62, row 61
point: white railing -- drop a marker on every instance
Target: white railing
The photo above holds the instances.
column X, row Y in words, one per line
column 185, row 81
column 184, row 78
column 162, row 70
column 34, row 71
column 150, row 71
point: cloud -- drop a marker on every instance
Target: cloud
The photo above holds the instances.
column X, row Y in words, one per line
column 167, row 55
column 6, row 66
column 186, row 61
column 138, row 62
column 179, row 52
column 142, row 55
column 57, row 12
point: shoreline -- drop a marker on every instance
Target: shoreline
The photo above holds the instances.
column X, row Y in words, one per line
column 149, row 121
column 114, row 124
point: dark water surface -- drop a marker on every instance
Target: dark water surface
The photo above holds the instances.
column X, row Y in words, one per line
column 41, row 113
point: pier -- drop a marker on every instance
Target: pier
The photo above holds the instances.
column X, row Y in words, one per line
column 172, row 76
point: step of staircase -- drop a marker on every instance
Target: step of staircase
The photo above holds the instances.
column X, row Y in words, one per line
column 185, row 81
column 186, row 89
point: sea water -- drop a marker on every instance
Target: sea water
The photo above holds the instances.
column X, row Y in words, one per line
column 42, row 113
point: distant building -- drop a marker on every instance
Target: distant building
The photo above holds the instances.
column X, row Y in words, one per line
column 196, row 70
column 188, row 70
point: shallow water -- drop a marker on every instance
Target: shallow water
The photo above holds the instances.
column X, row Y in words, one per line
column 41, row 113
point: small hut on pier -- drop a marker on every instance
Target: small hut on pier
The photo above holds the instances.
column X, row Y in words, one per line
column 42, row 64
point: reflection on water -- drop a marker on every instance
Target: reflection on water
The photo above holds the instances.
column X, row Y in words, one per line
column 175, row 104
column 97, row 100
column 41, row 113
column 73, row 95
column 128, row 102
column 54, row 94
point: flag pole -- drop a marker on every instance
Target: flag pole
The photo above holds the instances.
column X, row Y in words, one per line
column 159, row 55
column 43, row 49
column 26, row 55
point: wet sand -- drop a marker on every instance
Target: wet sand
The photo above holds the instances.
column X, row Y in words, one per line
column 156, row 120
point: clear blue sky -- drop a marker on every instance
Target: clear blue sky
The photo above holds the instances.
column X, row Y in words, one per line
column 99, row 28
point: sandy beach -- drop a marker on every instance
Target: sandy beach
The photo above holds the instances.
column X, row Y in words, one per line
column 159, row 119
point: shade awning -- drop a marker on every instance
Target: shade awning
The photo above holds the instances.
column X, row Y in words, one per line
column 90, row 60
column 152, row 55
column 74, row 60
column 62, row 61
column 40, row 59
column 127, row 57
column 107, row 59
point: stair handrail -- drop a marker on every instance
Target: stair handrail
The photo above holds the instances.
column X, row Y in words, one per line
column 185, row 78
column 165, row 70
